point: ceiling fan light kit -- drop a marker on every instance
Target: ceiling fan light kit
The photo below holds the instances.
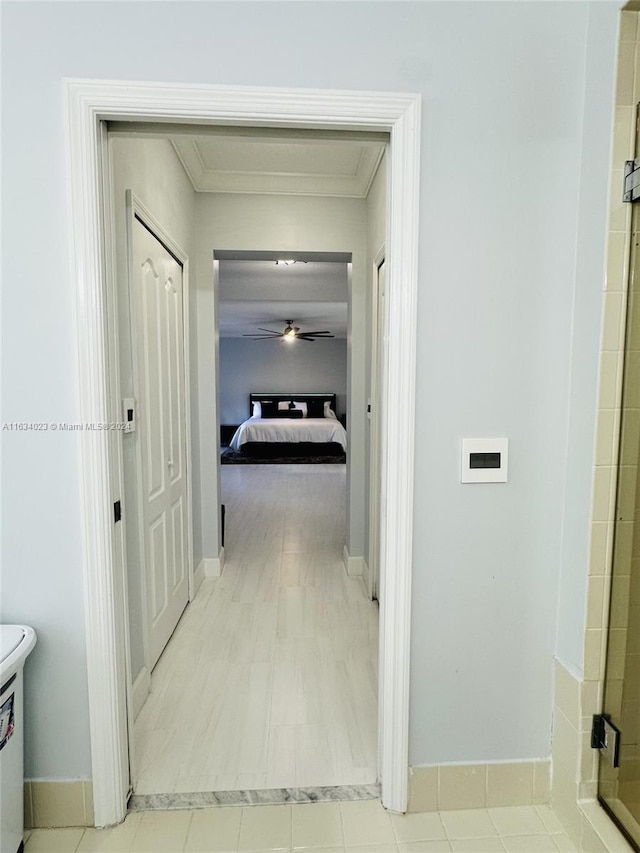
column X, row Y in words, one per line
column 291, row 333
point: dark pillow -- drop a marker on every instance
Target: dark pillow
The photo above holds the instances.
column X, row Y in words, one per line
column 315, row 407
column 269, row 409
column 287, row 413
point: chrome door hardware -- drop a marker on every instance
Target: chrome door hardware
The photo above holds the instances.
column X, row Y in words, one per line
column 606, row 737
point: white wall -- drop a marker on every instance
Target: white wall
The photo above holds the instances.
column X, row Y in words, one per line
column 503, row 88
column 289, row 224
column 254, row 366
column 151, row 169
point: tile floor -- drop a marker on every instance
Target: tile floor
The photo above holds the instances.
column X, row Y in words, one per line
column 270, row 679
column 359, row 827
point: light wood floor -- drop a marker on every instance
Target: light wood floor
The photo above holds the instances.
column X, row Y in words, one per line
column 270, row 679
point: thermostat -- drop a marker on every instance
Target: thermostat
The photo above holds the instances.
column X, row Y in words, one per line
column 484, row 460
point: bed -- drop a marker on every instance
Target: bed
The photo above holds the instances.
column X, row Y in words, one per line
column 291, row 425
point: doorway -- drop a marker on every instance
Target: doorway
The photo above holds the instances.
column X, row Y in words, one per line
column 274, row 664
column 90, row 104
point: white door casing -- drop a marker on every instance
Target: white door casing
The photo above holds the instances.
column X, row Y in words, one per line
column 157, row 298
column 89, row 105
column 377, row 401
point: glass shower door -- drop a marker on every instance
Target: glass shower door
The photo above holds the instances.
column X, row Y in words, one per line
column 619, row 769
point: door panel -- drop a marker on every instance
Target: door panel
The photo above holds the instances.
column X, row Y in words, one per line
column 178, row 525
column 151, row 381
column 157, row 561
column 157, row 303
column 176, row 372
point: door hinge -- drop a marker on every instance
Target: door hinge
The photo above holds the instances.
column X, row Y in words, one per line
column 631, row 191
column 117, row 512
column 606, row 737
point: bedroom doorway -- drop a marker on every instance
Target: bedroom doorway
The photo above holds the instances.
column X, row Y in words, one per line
column 90, row 105
column 289, row 571
column 281, row 612
column 286, row 511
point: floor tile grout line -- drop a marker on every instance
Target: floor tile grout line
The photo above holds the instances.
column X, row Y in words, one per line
column 344, row 838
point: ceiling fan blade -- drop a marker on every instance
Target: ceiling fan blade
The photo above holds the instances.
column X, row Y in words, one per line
column 271, row 331
column 260, row 336
column 319, row 333
column 305, row 338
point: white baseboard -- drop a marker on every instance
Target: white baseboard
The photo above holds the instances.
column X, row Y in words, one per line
column 353, row 565
column 141, row 689
column 212, row 566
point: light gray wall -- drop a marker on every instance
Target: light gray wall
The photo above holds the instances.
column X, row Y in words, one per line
column 151, row 169
column 248, row 366
column 504, row 88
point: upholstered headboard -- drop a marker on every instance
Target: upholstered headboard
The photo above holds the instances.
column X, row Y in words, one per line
column 318, row 399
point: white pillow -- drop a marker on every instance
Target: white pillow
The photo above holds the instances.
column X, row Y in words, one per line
column 257, row 410
column 283, row 405
column 302, row 407
column 328, row 411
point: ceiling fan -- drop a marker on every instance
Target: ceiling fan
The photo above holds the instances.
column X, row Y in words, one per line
column 290, row 333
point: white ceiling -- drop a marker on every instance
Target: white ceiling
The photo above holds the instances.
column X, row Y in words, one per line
column 260, row 293
column 254, row 291
column 284, row 165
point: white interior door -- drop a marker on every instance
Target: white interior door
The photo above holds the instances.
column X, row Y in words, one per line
column 157, row 294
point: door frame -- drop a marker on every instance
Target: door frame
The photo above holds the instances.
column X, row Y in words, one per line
column 89, row 104
column 375, row 446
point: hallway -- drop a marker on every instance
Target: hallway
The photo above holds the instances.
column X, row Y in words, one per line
column 270, row 679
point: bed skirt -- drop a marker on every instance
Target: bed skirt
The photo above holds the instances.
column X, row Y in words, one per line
column 308, row 452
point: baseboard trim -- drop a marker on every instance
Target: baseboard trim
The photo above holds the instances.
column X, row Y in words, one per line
column 56, row 804
column 140, row 690
column 212, row 566
column 446, row 787
column 353, row 565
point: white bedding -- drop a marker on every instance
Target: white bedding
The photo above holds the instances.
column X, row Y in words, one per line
column 290, row 430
